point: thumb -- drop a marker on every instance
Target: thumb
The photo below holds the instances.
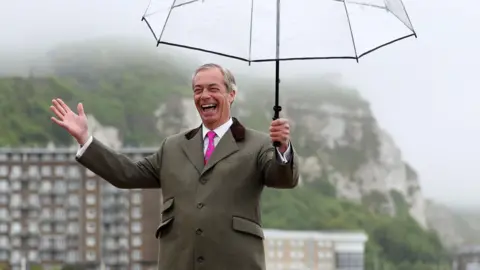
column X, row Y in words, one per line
column 80, row 110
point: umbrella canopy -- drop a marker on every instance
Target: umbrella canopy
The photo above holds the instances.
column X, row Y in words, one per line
column 279, row 30
column 307, row 29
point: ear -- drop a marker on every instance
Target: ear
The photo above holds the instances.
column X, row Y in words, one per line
column 231, row 96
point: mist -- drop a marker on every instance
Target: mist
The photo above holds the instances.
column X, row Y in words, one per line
column 423, row 91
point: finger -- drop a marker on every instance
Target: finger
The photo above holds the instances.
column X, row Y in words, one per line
column 58, row 122
column 279, row 136
column 279, row 128
column 80, row 110
column 279, row 122
column 59, row 107
column 57, row 112
column 64, row 106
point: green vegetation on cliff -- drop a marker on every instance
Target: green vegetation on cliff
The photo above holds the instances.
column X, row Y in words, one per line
column 123, row 89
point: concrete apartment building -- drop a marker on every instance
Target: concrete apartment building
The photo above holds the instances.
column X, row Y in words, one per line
column 314, row 250
column 54, row 212
column 467, row 258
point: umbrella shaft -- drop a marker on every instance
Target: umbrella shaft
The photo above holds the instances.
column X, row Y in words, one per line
column 277, row 108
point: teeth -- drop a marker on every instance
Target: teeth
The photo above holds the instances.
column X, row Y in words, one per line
column 208, row 106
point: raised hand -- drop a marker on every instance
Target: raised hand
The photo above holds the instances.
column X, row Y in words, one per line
column 75, row 124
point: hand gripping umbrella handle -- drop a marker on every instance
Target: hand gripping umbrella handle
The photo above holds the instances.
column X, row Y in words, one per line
column 276, row 115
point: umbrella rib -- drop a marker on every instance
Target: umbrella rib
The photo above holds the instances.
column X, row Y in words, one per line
column 361, row 4
column 387, row 43
column 166, row 21
column 251, row 32
column 396, row 16
column 186, row 3
column 283, row 59
column 351, row 31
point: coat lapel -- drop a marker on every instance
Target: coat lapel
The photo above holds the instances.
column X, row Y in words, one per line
column 193, row 146
column 225, row 147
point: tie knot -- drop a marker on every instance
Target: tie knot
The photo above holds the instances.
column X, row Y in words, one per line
column 211, row 134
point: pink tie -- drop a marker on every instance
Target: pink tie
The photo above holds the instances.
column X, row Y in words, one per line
column 211, row 145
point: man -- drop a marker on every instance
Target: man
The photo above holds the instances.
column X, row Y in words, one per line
column 211, row 178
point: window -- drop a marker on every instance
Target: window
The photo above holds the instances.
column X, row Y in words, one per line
column 136, row 255
column 3, row 170
column 73, row 200
column 90, row 241
column 136, row 212
column 3, row 213
column 91, row 184
column 33, row 255
column 33, row 199
column 46, row 228
column 16, row 227
column 33, row 227
column 33, row 171
column 349, row 261
column 73, row 185
column 136, row 198
column 3, row 199
column 46, row 171
column 136, row 227
column 15, row 213
column 136, row 241
column 72, row 228
column 91, row 213
column 59, row 170
column 90, row 199
column 46, row 186
column 16, row 185
column 3, row 227
column 4, row 185
column 3, row 241
column 46, row 157
column 91, row 255
column 90, row 227
column 73, row 172
column 16, row 171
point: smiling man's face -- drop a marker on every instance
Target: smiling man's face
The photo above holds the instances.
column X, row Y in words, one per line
column 211, row 97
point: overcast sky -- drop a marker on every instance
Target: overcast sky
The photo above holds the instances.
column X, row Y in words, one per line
column 425, row 91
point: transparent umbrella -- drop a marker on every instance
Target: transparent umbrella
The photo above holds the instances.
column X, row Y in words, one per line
column 279, row 30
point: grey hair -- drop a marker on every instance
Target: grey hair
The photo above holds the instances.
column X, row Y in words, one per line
column 228, row 77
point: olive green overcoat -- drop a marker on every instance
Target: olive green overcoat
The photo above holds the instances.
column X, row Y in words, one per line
column 211, row 214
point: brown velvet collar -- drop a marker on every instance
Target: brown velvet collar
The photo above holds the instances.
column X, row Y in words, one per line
column 237, row 129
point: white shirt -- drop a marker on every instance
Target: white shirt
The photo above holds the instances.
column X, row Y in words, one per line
column 219, row 131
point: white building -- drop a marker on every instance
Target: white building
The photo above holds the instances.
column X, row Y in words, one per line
column 314, row 250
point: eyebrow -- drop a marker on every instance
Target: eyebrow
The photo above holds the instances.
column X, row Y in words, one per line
column 209, row 85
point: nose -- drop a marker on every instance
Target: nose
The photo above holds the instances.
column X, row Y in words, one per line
column 205, row 94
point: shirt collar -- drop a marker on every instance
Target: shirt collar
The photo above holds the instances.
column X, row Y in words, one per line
column 220, row 131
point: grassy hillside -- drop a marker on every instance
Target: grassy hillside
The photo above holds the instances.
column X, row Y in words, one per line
column 122, row 88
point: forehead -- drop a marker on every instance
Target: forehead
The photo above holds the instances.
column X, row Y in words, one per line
column 208, row 76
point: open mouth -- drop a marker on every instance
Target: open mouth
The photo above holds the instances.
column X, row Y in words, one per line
column 209, row 107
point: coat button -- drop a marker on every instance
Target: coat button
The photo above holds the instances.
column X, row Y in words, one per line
column 203, row 180
column 199, row 231
column 200, row 205
column 200, row 259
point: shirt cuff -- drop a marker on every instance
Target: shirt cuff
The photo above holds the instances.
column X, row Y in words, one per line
column 84, row 147
column 285, row 158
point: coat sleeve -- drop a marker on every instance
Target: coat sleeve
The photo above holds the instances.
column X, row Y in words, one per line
column 275, row 172
column 119, row 170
